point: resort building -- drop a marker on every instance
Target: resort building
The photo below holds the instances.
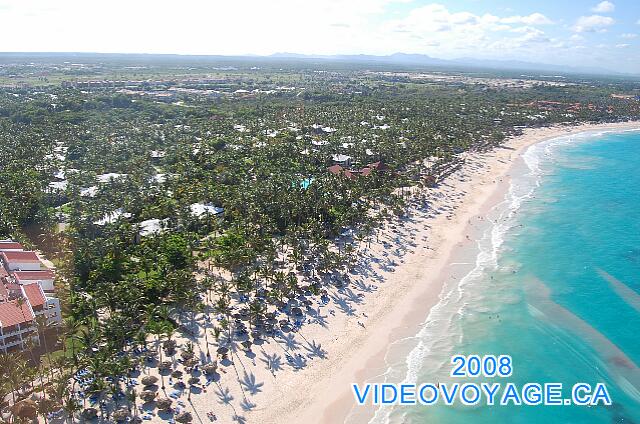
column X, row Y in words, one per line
column 10, row 246
column 44, row 278
column 342, row 160
column 41, row 305
column 26, row 292
column 20, row 261
column 17, row 325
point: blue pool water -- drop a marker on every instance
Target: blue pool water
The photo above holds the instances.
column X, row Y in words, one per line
column 556, row 286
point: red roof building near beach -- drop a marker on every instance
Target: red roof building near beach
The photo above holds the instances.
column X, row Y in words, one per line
column 20, row 260
column 46, row 274
column 35, row 296
column 11, row 314
column 44, row 277
column 381, row 166
column 335, row 169
column 339, row 170
column 10, row 245
column 21, row 256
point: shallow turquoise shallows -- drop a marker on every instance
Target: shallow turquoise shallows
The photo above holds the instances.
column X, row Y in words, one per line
column 556, row 286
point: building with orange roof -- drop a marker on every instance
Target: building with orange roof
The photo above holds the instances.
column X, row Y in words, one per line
column 17, row 325
column 10, row 246
column 20, row 261
column 44, row 278
column 41, row 305
column 26, row 293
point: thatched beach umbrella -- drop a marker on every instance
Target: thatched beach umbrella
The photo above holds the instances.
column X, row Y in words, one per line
column 164, row 404
column 149, row 380
column 191, row 363
column 25, row 409
column 148, row 395
column 89, row 414
column 184, row 417
column 121, row 415
column 165, row 366
column 210, row 368
column 169, row 345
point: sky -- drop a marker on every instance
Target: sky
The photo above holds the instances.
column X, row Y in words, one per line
column 577, row 32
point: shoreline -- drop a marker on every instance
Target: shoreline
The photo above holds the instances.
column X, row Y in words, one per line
column 328, row 399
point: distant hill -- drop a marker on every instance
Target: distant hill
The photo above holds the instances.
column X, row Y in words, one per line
column 424, row 60
column 404, row 60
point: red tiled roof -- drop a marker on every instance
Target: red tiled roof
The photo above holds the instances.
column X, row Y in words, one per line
column 380, row 166
column 11, row 314
column 335, row 169
column 10, row 245
column 21, row 256
column 34, row 275
column 34, row 294
column 338, row 170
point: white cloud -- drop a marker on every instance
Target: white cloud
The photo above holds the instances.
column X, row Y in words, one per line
column 622, row 46
column 533, row 19
column 434, row 25
column 593, row 23
column 629, row 36
column 531, row 35
column 604, row 7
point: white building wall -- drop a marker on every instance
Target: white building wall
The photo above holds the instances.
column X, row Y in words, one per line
column 54, row 315
column 22, row 337
column 47, row 285
column 23, row 266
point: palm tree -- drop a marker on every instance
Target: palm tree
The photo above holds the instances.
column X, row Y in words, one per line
column 201, row 308
column 20, row 374
column 8, row 367
column 71, row 406
column 42, row 326
column 132, row 395
column 160, row 328
column 5, row 389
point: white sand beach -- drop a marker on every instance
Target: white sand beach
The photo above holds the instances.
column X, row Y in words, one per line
column 306, row 376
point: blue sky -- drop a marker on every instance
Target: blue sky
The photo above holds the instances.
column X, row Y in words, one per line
column 584, row 33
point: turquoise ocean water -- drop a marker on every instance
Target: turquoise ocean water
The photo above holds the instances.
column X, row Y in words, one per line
column 556, row 286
